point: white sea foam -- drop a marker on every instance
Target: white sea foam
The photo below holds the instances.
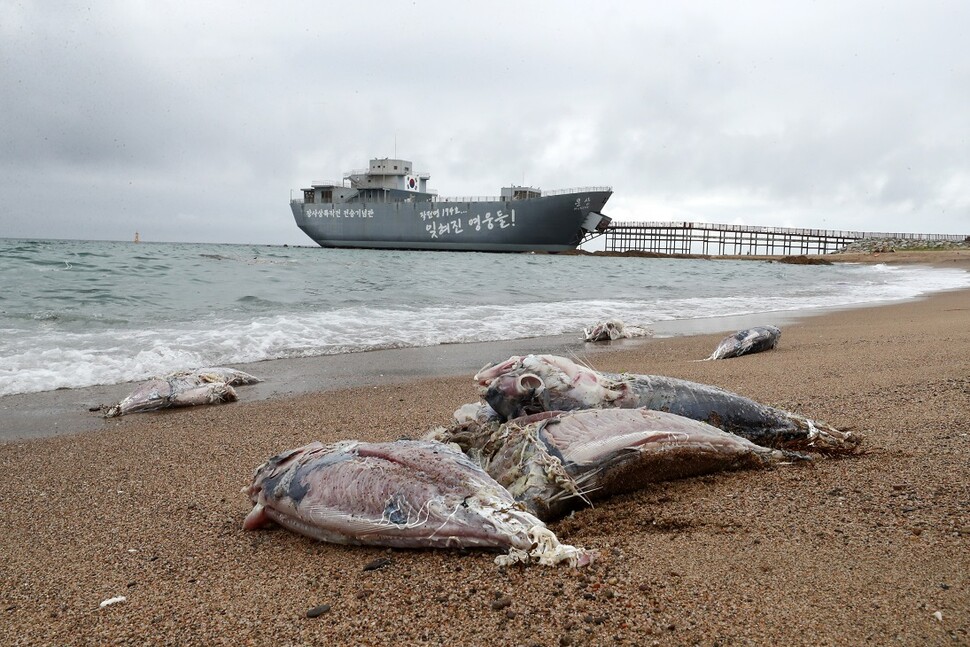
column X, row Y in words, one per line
column 468, row 301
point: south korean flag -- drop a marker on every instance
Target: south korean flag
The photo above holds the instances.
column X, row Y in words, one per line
column 410, row 183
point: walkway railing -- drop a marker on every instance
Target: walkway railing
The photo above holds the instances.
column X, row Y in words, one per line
column 739, row 240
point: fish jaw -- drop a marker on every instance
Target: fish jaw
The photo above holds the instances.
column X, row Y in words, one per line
column 257, row 518
column 489, row 372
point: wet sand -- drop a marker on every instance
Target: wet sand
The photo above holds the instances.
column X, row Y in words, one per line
column 873, row 549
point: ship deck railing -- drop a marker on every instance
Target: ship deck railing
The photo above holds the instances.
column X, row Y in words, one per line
column 496, row 198
column 366, row 171
column 581, row 189
column 296, row 195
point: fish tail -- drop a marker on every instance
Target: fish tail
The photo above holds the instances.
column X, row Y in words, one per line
column 782, row 457
column 826, row 439
column 547, row 550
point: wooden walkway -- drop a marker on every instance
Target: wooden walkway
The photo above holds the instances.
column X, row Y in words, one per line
column 736, row 240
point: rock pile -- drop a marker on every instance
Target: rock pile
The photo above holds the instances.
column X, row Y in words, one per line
column 883, row 245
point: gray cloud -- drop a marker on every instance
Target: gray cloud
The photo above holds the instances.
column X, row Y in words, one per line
column 194, row 123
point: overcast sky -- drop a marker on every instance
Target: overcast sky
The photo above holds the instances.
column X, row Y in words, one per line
column 194, row 121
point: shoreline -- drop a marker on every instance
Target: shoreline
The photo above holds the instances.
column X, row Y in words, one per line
column 46, row 414
column 871, row 549
column 67, row 411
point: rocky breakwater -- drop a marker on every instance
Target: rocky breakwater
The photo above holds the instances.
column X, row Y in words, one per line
column 883, row 245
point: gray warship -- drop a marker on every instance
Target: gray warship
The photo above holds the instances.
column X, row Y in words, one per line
column 389, row 206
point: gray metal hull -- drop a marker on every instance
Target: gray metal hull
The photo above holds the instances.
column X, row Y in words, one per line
column 549, row 223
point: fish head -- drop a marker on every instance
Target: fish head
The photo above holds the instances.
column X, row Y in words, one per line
column 774, row 334
column 268, row 474
column 514, row 395
column 524, row 385
column 275, row 479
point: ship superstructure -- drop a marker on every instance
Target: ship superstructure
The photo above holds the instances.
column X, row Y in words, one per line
column 389, row 206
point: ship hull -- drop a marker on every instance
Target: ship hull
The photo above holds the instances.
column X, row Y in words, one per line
column 550, row 223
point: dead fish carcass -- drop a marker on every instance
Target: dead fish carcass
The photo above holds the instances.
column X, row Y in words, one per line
column 183, row 389
column 408, row 493
column 528, row 384
column 556, row 462
column 613, row 329
column 745, row 342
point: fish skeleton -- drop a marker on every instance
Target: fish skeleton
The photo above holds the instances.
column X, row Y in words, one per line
column 745, row 342
column 183, row 389
column 408, row 493
column 523, row 385
column 555, row 462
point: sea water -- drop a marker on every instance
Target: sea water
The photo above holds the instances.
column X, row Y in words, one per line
column 80, row 313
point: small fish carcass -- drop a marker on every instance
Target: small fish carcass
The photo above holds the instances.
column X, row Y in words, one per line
column 183, row 389
column 746, row 342
column 613, row 329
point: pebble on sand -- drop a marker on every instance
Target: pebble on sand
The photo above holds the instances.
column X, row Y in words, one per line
column 318, row 611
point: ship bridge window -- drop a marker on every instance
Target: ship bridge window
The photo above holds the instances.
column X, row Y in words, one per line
column 308, row 196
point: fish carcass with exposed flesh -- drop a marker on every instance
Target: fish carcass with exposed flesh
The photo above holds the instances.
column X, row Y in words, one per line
column 528, row 384
column 555, row 462
column 408, row 493
column 183, row 389
column 613, row 329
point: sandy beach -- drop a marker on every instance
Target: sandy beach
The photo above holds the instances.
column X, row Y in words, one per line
column 871, row 549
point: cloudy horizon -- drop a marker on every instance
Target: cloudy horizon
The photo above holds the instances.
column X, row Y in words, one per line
column 194, row 123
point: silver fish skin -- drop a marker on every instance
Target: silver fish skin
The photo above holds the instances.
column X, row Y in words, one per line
column 410, row 494
column 745, row 342
column 533, row 383
column 556, row 462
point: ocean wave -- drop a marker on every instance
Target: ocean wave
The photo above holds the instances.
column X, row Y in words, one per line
column 318, row 302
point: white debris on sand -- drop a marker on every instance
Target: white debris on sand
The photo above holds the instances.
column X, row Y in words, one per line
column 116, row 600
column 613, row 329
